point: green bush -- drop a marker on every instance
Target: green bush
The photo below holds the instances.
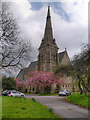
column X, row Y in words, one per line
column 50, row 110
column 8, row 83
column 33, row 99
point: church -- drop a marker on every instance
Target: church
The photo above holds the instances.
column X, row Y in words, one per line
column 48, row 57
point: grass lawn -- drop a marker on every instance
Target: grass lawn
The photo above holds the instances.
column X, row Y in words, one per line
column 24, row 108
column 80, row 100
column 0, row 107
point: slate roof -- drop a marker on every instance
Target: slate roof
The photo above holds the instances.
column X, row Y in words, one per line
column 25, row 70
column 32, row 65
column 61, row 54
column 21, row 73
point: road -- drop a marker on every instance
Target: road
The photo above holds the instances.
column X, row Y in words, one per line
column 61, row 107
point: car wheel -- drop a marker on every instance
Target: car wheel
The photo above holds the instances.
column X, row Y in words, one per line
column 66, row 94
column 22, row 95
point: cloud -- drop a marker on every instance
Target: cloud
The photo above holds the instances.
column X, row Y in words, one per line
column 72, row 34
column 68, row 34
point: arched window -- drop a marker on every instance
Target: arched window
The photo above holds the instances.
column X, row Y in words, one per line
column 63, row 85
column 42, row 57
column 33, row 89
column 54, row 57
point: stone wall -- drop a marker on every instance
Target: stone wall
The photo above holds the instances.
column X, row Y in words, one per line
column 67, row 83
column 47, row 59
column 65, row 60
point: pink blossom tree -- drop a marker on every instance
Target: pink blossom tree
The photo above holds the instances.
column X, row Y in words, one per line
column 42, row 80
column 19, row 84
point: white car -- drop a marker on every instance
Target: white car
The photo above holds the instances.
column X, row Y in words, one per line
column 64, row 92
column 16, row 94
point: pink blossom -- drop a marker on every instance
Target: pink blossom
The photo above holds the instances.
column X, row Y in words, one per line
column 42, row 79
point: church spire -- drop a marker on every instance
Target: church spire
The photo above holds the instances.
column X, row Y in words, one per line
column 48, row 14
column 48, row 36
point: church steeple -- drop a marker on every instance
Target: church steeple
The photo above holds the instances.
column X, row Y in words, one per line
column 48, row 34
column 48, row 50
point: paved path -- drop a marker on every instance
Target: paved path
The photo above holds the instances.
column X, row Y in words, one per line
column 61, row 108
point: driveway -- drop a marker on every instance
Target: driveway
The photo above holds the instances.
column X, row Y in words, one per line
column 60, row 107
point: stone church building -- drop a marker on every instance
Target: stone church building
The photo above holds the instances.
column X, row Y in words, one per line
column 48, row 57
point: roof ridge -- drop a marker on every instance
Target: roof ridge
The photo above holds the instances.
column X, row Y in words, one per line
column 62, row 52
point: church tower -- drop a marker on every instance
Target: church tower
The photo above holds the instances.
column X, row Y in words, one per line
column 48, row 50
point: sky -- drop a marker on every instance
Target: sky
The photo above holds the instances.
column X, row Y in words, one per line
column 89, row 24
column 69, row 23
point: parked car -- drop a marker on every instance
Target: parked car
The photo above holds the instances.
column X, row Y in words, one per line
column 5, row 93
column 16, row 94
column 88, row 89
column 64, row 92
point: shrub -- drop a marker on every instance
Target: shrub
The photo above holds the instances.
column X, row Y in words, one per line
column 8, row 83
column 33, row 99
column 50, row 109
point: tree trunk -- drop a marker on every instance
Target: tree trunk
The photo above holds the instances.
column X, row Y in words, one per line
column 85, row 88
column 81, row 92
column 85, row 93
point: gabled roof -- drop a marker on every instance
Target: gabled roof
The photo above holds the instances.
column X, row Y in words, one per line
column 61, row 54
column 21, row 73
column 25, row 70
column 32, row 65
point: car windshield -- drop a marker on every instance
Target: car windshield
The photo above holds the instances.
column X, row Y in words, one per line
column 5, row 91
column 62, row 91
column 8, row 91
column 13, row 91
column 67, row 90
column 18, row 92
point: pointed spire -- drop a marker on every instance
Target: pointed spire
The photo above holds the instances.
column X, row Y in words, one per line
column 48, row 14
column 48, row 36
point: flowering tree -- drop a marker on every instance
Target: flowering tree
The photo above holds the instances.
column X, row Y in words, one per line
column 19, row 84
column 42, row 80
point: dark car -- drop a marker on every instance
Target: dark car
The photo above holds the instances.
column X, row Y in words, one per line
column 88, row 89
column 6, row 92
column 64, row 92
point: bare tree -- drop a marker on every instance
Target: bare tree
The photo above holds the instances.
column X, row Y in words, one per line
column 16, row 49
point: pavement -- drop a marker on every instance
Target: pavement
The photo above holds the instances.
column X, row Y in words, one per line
column 61, row 107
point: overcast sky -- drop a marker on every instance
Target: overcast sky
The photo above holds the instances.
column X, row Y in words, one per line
column 69, row 23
